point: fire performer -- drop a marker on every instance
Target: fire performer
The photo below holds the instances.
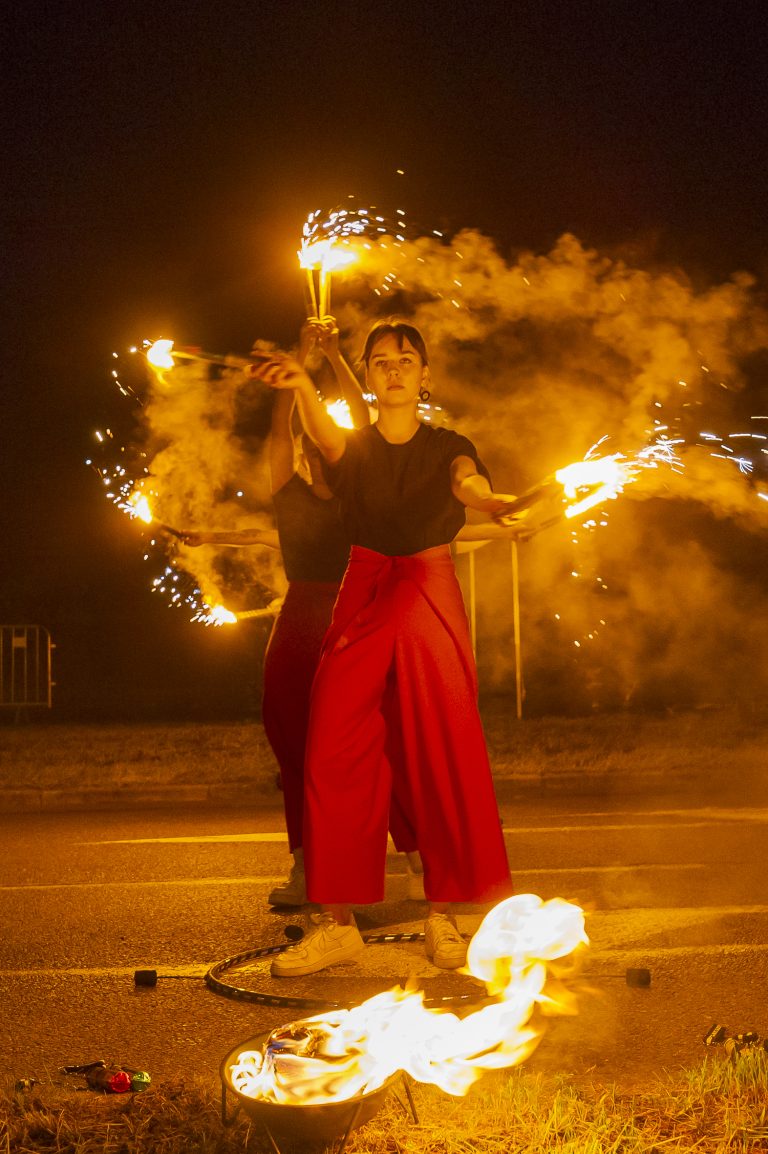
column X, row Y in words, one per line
column 315, row 550
column 394, row 701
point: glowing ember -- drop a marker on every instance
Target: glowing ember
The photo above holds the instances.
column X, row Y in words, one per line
column 323, row 254
column 217, row 615
column 343, row 1053
column 159, row 355
column 340, row 414
column 137, row 505
column 325, row 246
column 604, row 476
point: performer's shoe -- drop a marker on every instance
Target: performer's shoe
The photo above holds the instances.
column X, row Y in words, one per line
column 415, row 887
column 293, row 891
column 325, row 944
column 443, row 944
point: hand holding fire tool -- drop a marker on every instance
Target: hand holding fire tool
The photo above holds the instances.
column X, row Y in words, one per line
column 279, row 370
column 325, row 249
column 328, row 336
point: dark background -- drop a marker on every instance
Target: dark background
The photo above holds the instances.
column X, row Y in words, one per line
column 159, row 163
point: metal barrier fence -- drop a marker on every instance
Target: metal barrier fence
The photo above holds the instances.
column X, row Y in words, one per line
column 25, row 666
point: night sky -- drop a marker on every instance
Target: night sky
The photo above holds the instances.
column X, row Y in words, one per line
column 161, row 159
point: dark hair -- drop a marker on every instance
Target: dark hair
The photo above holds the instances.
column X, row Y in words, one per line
column 401, row 331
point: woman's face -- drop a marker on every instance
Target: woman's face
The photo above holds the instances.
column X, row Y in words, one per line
column 395, row 374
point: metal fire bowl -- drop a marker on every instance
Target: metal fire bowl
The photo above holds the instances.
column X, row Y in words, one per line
column 320, row 1122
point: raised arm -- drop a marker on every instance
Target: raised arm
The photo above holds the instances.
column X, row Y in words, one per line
column 328, row 340
column 281, row 455
column 282, row 372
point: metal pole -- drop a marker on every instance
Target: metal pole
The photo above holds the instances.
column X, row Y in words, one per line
column 516, row 626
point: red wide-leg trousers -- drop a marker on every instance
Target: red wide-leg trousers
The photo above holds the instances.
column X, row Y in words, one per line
column 394, row 714
column 290, row 663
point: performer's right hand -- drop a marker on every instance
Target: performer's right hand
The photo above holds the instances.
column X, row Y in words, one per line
column 280, row 371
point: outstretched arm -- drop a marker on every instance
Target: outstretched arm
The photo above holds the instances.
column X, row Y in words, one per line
column 474, row 490
column 237, row 537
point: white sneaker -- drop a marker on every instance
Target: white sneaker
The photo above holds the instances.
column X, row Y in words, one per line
column 293, row 891
column 325, row 944
column 443, row 944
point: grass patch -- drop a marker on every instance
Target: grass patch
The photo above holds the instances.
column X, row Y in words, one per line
column 668, row 750
column 581, row 753
column 52, row 756
column 718, row 1106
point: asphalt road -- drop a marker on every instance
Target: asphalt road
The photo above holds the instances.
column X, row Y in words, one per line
column 86, row 899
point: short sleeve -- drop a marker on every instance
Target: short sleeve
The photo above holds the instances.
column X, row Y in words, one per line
column 336, row 472
column 461, row 446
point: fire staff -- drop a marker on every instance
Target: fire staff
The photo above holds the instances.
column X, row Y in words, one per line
column 394, row 701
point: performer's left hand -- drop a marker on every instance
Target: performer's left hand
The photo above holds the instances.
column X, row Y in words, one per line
column 328, row 336
column 505, row 509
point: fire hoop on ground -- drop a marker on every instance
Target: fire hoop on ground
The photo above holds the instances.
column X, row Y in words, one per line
column 215, row 982
column 323, row 1121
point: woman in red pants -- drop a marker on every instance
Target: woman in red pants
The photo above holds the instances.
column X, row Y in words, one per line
column 315, row 551
column 394, row 701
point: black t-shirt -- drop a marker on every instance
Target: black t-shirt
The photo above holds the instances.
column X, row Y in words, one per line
column 313, row 542
column 397, row 499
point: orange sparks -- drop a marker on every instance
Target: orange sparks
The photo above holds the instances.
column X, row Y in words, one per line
column 605, row 477
column 137, row 505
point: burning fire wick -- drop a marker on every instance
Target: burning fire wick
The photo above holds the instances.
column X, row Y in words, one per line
column 320, row 251
column 591, row 481
column 161, row 355
column 137, row 506
column 338, row 1055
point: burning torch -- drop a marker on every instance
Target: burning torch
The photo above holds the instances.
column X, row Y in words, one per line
column 162, row 355
column 325, row 248
column 587, row 483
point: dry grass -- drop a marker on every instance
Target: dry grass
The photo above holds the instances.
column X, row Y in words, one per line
column 669, row 750
column 719, row 1106
column 52, row 756
column 541, row 753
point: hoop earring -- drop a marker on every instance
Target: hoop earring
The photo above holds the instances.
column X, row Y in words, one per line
column 424, row 395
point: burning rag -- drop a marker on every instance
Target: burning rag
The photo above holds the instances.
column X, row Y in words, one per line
column 394, row 717
column 290, row 662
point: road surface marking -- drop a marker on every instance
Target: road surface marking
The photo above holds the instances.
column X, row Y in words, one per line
column 708, row 818
column 269, row 879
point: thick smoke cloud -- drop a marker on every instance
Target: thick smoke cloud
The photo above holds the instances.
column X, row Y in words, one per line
column 657, row 600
